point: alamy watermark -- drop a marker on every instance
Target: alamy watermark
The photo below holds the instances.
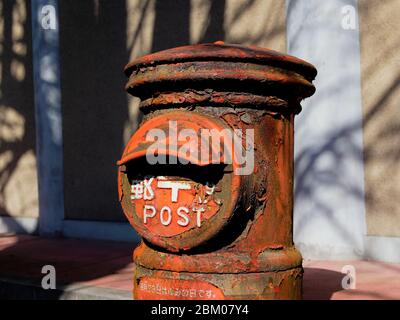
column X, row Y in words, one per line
column 48, row 17
column 49, row 280
column 225, row 146
column 349, row 281
column 349, row 18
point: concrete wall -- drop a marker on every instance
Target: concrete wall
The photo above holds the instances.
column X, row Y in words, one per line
column 380, row 65
column 154, row 25
column 97, row 39
column 93, row 52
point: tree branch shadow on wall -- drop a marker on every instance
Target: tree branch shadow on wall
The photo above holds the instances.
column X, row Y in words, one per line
column 305, row 163
column 92, row 87
column 18, row 188
column 341, row 143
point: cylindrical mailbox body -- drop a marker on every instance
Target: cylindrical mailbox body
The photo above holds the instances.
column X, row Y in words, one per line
column 215, row 215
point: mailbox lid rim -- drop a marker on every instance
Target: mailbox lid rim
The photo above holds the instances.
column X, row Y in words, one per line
column 225, row 52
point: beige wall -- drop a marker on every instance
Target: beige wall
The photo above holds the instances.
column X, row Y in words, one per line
column 97, row 41
column 380, row 47
column 154, row 25
column 18, row 173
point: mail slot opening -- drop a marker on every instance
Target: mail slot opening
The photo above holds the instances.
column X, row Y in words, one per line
column 170, row 199
column 140, row 169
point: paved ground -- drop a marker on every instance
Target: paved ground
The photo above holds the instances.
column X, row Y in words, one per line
column 373, row 280
column 103, row 270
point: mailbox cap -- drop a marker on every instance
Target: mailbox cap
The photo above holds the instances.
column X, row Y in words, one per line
column 255, row 73
column 219, row 51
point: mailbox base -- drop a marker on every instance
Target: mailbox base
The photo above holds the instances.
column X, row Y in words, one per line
column 168, row 285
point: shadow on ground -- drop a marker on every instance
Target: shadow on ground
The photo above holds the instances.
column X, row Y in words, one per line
column 82, row 263
column 321, row 284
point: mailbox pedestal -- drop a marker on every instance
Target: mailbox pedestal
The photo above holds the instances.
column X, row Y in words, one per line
column 207, row 179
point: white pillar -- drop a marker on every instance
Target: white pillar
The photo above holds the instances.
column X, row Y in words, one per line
column 45, row 40
column 329, row 214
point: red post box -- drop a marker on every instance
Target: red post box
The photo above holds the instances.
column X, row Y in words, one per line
column 207, row 179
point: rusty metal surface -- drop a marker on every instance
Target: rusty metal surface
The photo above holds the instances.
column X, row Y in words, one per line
column 244, row 248
column 253, row 76
column 220, row 51
column 209, row 97
column 164, row 285
column 220, row 261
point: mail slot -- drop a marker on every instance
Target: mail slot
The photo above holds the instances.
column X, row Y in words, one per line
column 207, row 179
